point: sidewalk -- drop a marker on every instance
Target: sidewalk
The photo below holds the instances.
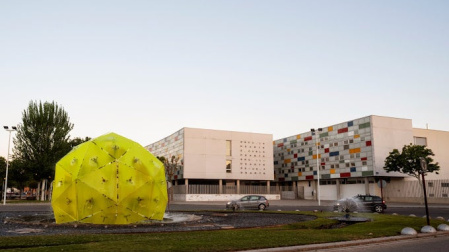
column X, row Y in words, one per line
column 348, row 244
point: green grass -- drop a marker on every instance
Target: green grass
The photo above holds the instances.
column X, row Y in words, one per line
column 309, row 232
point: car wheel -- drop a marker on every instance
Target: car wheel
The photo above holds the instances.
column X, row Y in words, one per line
column 378, row 209
column 235, row 207
column 262, row 207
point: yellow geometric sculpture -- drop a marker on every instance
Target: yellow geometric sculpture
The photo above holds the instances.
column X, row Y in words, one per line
column 109, row 180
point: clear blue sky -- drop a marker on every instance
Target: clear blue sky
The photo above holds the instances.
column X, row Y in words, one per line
column 145, row 69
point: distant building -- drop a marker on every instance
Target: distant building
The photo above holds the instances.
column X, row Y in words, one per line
column 350, row 159
column 217, row 165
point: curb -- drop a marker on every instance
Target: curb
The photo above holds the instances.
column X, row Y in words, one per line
column 350, row 243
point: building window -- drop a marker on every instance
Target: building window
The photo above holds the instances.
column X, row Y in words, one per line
column 228, row 147
column 444, row 184
column 228, row 166
column 420, row 141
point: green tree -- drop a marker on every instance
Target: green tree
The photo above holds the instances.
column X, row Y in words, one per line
column 77, row 141
column 408, row 161
column 42, row 138
column 18, row 174
column 2, row 167
column 2, row 172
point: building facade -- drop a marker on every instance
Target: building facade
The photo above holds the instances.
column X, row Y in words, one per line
column 216, row 164
column 348, row 159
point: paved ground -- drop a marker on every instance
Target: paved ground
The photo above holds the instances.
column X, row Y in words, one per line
column 432, row 242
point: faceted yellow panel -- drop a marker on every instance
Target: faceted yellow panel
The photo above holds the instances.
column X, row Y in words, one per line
column 109, row 180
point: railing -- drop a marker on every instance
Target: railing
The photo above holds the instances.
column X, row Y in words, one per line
column 225, row 189
column 409, row 189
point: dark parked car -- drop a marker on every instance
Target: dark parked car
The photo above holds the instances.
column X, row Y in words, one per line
column 361, row 202
column 249, row 202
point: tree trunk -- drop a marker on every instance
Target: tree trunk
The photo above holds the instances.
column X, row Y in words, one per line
column 50, row 191
column 43, row 187
column 38, row 190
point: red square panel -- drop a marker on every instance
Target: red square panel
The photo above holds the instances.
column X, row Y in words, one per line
column 345, row 175
column 342, row 130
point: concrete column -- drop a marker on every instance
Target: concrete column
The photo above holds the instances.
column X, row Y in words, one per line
column 220, row 186
column 338, row 189
column 268, row 187
column 238, row 186
column 187, row 186
column 295, row 190
column 366, row 186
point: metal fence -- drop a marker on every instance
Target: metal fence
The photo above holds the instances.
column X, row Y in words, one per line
column 225, row 189
column 411, row 189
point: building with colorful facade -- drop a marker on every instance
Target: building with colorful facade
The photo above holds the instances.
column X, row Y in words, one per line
column 348, row 159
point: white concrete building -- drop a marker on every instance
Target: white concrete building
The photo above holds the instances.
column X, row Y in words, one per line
column 219, row 165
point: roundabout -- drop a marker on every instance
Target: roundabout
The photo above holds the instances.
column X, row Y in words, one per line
column 43, row 223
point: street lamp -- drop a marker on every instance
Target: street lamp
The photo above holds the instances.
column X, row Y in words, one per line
column 13, row 128
column 423, row 163
column 317, row 163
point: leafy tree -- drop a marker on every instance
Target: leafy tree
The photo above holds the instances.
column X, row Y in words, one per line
column 2, row 172
column 77, row 141
column 2, row 167
column 42, row 138
column 408, row 161
column 18, row 174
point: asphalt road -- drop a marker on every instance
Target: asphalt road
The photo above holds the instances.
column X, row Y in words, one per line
column 435, row 211
column 275, row 205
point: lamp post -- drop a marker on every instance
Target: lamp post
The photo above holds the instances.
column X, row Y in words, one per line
column 423, row 171
column 13, row 128
column 317, row 164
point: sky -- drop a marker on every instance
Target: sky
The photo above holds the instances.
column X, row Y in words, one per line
column 145, row 69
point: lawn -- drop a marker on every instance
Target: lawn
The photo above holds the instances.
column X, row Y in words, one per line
column 309, row 232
